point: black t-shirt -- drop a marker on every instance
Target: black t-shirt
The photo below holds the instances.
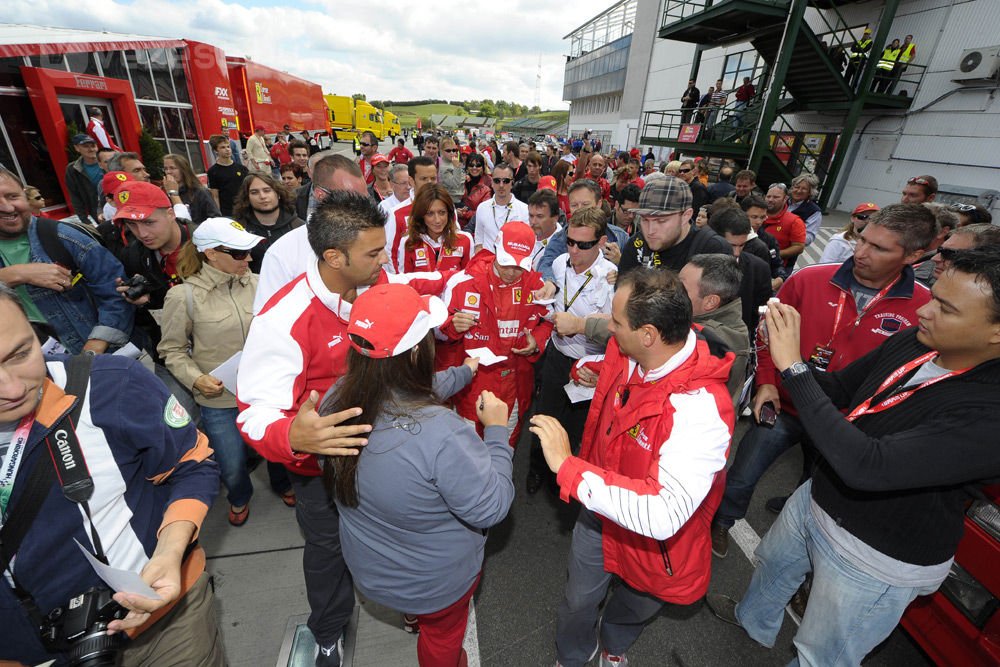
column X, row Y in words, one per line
column 227, row 179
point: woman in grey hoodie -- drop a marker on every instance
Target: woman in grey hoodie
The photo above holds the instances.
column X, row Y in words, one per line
column 416, row 503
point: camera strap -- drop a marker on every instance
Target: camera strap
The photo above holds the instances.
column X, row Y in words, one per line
column 71, row 469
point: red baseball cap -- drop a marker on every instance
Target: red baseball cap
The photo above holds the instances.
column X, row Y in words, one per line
column 547, row 183
column 259, row 128
column 137, row 200
column 634, row 152
column 515, row 243
column 387, row 320
column 864, row 208
column 378, row 158
column 113, row 180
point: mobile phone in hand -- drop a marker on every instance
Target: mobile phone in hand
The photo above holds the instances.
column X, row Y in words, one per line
column 768, row 415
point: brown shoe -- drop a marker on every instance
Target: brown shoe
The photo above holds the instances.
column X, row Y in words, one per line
column 288, row 498
column 239, row 517
column 720, row 540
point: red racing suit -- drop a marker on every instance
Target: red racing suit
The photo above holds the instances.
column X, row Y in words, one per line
column 816, row 292
column 505, row 312
column 427, row 256
column 651, row 465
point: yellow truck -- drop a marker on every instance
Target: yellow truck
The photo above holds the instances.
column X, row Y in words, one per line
column 391, row 124
column 349, row 118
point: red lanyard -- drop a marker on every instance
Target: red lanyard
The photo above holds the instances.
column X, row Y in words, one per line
column 866, row 407
column 861, row 313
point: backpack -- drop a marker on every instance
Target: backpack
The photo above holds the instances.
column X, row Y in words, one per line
column 48, row 235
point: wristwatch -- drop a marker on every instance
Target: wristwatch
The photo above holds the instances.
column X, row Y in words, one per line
column 172, row 193
column 798, row 368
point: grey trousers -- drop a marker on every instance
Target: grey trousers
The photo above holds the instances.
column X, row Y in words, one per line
column 625, row 615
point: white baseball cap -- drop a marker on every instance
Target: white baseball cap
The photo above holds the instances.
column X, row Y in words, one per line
column 225, row 233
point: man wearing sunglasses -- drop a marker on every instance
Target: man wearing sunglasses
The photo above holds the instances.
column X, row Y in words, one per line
column 963, row 238
column 369, row 147
column 919, row 190
column 501, row 208
column 582, row 276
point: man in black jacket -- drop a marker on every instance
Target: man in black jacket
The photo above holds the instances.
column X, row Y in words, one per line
column 881, row 519
column 265, row 207
column 666, row 238
column 689, row 101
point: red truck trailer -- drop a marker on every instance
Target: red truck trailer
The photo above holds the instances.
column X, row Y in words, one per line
column 272, row 98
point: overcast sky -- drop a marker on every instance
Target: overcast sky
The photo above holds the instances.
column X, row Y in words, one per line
column 446, row 49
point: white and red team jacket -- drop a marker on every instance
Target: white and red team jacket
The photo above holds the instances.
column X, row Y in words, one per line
column 505, row 313
column 298, row 343
column 395, row 235
column 429, row 255
column 652, row 465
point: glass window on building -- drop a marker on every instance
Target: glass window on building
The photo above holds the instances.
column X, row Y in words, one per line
column 10, row 72
column 161, row 75
column 142, row 81
column 82, row 63
column 177, row 72
column 151, row 121
column 113, row 64
column 22, row 137
column 190, row 129
column 172, row 126
column 194, row 155
column 742, row 64
column 50, row 61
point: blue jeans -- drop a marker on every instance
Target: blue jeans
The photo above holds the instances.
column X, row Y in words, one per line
column 759, row 448
column 849, row 612
column 219, row 425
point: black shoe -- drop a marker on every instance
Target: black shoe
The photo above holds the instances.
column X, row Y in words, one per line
column 720, row 540
column 330, row 656
column 724, row 608
column 775, row 505
column 533, row 483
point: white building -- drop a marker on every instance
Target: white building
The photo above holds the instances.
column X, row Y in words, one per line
column 629, row 66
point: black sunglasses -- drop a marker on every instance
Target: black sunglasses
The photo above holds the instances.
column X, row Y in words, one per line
column 947, row 254
column 451, row 150
column 365, row 144
column 238, row 255
column 862, row 216
column 683, row 171
column 964, row 208
column 505, row 181
column 582, row 245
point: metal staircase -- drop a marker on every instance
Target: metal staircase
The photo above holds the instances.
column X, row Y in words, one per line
column 805, row 72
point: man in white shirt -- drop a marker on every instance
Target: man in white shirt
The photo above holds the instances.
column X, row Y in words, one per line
column 581, row 275
column 291, row 255
column 399, row 179
column 499, row 209
column 543, row 218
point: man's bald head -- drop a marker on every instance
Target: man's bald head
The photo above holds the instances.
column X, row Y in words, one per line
column 337, row 173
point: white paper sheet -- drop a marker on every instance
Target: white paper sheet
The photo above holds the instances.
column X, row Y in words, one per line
column 128, row 350
column 226, row 372
column 485, row 356
column 577, row 393
column 120, row 581
column 543, row 302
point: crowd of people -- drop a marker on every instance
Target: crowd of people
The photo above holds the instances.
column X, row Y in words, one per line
column 398, row 320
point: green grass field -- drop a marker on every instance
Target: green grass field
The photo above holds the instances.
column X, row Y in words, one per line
column 408, row 115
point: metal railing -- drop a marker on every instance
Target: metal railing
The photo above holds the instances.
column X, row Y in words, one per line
column 733, row 123
column 678, row 10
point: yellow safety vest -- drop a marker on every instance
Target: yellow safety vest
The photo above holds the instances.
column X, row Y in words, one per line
column 888, row 60
column 862, row 48
column 907, row 53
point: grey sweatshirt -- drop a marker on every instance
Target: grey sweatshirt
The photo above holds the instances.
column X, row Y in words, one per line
column 428, row 487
